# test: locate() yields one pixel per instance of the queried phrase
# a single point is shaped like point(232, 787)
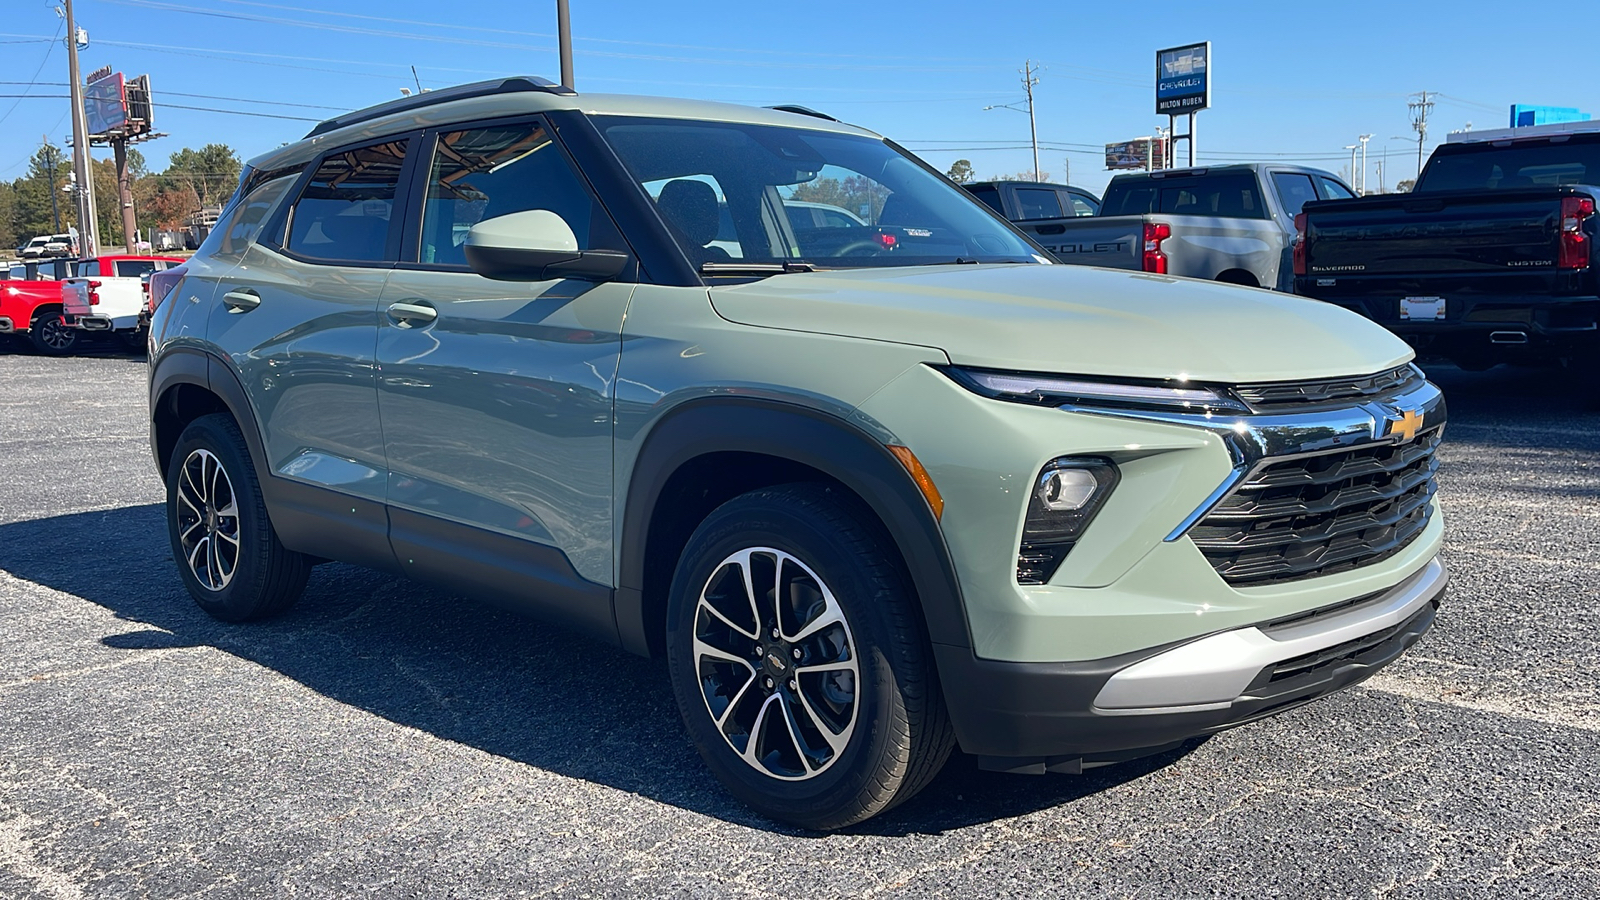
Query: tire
point(850, 657)
point(49, 336)
point(132, 341)
point(216, 515)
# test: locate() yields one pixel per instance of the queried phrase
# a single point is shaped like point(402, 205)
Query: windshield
point(1530, 164)
point(736, 194)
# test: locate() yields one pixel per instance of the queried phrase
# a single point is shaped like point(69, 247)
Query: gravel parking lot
point(388, 738)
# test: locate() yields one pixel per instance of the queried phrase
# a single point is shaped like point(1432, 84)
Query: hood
point(1075, 320)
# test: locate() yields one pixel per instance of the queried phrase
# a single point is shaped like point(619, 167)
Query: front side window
point(345, 210)
point(482, 173)
point(821, 198)
point(1333, 190)
point(1294, 190)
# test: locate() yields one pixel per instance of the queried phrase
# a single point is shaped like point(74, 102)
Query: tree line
point(35, 203)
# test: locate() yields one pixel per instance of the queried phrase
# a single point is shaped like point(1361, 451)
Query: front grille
point(1300, 394)
point(1317, 515)
point(1350, 652)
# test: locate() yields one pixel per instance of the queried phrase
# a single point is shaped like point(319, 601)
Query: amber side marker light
point(921, 477)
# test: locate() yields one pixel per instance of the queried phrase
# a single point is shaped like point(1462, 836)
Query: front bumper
point(1037, 717)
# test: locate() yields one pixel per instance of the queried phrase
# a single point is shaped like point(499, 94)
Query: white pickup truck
point(107, 294)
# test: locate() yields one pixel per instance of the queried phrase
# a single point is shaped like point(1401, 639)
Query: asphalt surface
point(387, 738)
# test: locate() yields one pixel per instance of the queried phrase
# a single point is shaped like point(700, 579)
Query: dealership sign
point(1183, 79)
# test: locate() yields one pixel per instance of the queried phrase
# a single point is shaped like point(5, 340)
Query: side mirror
point(536, 245)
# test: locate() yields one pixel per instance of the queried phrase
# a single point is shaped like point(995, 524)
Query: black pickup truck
point(1490, 259)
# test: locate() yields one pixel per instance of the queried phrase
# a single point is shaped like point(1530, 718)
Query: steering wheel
point(861, 248)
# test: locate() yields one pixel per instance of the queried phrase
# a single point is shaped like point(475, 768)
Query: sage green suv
point(876, 484)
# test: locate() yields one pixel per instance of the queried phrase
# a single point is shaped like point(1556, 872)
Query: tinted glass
point(1083, 204)
point(1294, 191)
point(133, 268)
point(240, 224)
point(990, 195)
point(89, 269)
point(907, 215)
point(1333, 190)
point(1133, 199)
point(1223, 196)
point(1038, 203)
point(345, 210)
point(482, 173)
point(1530, 164)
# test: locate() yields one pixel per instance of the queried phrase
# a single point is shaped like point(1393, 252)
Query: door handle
point(241, 301)
point(411, 314)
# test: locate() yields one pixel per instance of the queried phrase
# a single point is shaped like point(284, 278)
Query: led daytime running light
point(1047, 386)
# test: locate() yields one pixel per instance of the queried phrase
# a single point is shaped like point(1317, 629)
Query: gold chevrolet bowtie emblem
point(1406, 427)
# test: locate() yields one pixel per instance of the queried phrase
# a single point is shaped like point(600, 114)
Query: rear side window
point(1038, 203)
point(1294, 190)
point(1224, 196)
point(133, 268)
point(90, 269)
point(345, 210)
point(1082, 204)
point(482, 173)
point(241, 224)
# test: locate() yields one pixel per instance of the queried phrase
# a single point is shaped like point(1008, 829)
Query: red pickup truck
point(33, 305)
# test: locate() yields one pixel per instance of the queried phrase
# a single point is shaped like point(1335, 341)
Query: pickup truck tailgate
point(75, 297)
point(1445, 233)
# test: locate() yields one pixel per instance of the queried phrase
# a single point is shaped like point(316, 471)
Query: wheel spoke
point(845, 664)
point(230, 538)
point(733, 704)
point(194, 554)
point(800, 748)
point(749, 753)
point(728, 622)
point(701, 648)
point(836, 742)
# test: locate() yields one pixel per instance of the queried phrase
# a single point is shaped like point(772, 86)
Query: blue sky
point(1296, 82)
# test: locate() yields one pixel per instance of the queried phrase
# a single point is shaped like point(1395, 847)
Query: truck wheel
point(798, 659)
point(226, 550)
point(50, 336)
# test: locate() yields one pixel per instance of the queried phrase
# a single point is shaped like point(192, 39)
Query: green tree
point(211, 172)
point(961, 172)
point(32, 213)
point(8, 209)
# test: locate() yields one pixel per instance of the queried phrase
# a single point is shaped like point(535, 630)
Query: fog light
point(1066, 496)
point(1064, 490)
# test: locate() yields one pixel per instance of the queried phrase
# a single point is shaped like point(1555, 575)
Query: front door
point(496, 397)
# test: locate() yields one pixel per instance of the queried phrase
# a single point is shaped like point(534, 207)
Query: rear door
point(496, 396)
point(298, 319)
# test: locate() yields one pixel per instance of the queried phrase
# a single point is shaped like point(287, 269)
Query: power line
point(48, 50)
point(211, 109)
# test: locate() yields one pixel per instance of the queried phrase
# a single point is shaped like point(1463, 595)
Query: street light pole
point(1363, 139)
point(1352, 148)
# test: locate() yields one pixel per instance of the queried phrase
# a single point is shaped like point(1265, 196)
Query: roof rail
point(513, 85)
point(803, 111)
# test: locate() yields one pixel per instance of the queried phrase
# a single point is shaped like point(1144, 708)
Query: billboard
point(1139, 153)
point(140, 111)
point(1183, 79)
point(105, 104)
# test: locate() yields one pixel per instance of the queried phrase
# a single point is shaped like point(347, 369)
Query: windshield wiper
point(753, 268)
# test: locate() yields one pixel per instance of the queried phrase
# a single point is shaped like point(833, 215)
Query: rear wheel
point(50, 336)
point(227, 552)
point(798, 660)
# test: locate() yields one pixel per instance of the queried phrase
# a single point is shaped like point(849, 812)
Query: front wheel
point(226, 549)
point(798, 659)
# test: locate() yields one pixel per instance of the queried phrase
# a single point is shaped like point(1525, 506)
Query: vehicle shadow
point(475, 675)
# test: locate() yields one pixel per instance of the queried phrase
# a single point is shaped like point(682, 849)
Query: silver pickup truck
point(1219, 223)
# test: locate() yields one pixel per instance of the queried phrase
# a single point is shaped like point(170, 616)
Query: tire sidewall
point(750, 522)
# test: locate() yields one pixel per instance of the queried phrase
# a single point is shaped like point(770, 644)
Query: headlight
point(1055, 390)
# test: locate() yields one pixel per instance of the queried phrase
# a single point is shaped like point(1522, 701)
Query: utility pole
point(1419, 121)
point(564, 33)
point(1362, 190)
point(88, 226)
point(1352, 148)
point(1028, 81)
point(50, 162)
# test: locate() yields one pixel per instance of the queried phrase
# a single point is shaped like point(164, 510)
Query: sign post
point(1183, 87)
